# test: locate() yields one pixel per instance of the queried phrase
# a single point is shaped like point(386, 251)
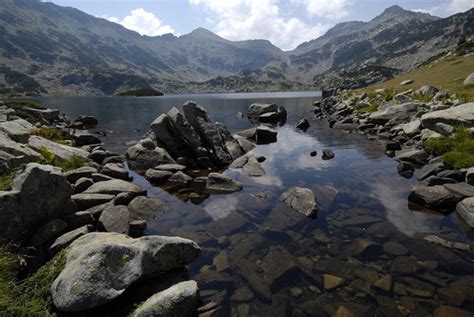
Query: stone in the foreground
point(465, 209)
point(300, 199)
point(434, 197)
point(455, 116)
point(114, 187)
point(181, 299)
point(101, 266)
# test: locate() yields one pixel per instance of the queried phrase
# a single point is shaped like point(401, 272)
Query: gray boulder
point(83, 137)
point(82, 184)
point(187, 132)
point(300, 199)
point(171, 167)
point(181, 299)
point(101, 266)
point(49, 115)
point(146, 208)
point(434, 197)
point(40, 193)
point(66, 239)
point(18, 130)
point(252, 167)
point(465, 209)
point(145, 154)
point(157, 177)
point(470, 176)
point(407, 82)
point(391, 111)
point(115, 170)
point(89, 200)
point(428, 90)
point(48, 232)
point(62, 152)
point(170, 136)
point(17, 149)
point(269, 113)
point(469, 80)
point(85, 171)
point(454, 116)
point(265, 135)
point(114, 187)
point(210, 133)
point(115, 219)
point(412, 155)
point(411, 128)
point(221, 184)
point(85, 122)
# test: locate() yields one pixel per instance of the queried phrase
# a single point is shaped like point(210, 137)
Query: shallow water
point(271, 260)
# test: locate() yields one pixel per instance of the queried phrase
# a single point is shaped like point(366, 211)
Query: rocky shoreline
point(407, 122)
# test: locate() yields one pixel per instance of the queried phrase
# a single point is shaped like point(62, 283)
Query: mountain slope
point(45, 41)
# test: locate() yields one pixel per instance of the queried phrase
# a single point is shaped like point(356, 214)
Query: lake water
point(265, 259)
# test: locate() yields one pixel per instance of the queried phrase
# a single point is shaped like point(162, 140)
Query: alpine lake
point(366, 253)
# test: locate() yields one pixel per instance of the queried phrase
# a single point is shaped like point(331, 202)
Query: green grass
point(446, 73)
point(6, 181)
point(457, 151)
point(50, 158)
point(54, 135)
point(32, 296)
point(369, 109)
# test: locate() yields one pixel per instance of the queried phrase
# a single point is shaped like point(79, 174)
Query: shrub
point(457, 151)
point(6, 181)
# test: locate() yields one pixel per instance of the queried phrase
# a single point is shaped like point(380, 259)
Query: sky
point(286, 23)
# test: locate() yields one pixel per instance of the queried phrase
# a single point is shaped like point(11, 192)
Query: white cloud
point(333, 9)
point(143, 22)
point(248, 19)
point(456, 6)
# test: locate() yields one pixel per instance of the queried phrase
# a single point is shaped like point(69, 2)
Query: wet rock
point(221, 184)
point(147, 208)
point(435, 180)
point(430, 169)
point(181, 299)
point(448, 244)
point(454, 116)
point(461, 190)
point(331, 281)
point(265, 135)
point(89, 200)
point(301, 200)
point(240, 162)
point(313, 153)
point(200, 120)
point(114, 187)
point(404, 265)
point(61, 151)
point(451, 296)
point(465, 209)
point(413, 156)
point(303, 124)
point(253, 167)
point(156, 177)
point(276, 264)
point(246, 145)
point(434, 197)
point(85, 122)
point(221, 262)
point(211, 279)
point(179, 178)
point(115, 219)
point(82, 137)
point(405, 169)
point(171, 168)
point(394, 248)
point(101, 266)
point(365, 248)
point(66, 239)
point(248, 271)
point(419, 288)
point(384, 283)
point(328, 154)
point(270, 113)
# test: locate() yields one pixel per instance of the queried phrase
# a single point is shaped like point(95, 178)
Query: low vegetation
point(50, 158)
point(6, 181)
point(446, 72)
point(457, 151)
point(32, 296)
point(54, 135)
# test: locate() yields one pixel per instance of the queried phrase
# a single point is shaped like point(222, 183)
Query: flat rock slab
point(18, 130)
point(454, 116)
point(101, 266)
point(462, 190)
point(115, 219)
point(62, 152)
point(434, 197)
point(114, 187)
point(221, 184)
point(89, 200)
point(301, 200)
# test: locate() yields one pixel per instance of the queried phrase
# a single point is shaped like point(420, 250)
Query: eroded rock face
point(454, 116)
point(101, 266)
point(300, 199)
point(40, 193)
point(146, 154)
point(181, 299)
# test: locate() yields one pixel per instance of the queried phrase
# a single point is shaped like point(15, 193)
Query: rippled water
point(270, 260)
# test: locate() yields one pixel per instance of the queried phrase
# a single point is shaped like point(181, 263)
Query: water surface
point(266, 259)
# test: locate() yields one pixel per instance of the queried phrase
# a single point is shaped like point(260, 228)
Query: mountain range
point(49, 49)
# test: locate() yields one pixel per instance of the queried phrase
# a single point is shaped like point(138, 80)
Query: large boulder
point(210, 133)
point(61, 151)
point(190, 136)
point(18, 130)
point(101, 266)
point(115, 219)
point(454, 116)
point(40, 193)
point(300, 199)
point(265, 135)
point(434, 197)
point(17, 149)
point(181, 299)
point(465, 209)
point(49, 115)
point(170, 136)
point(146, 154)
point(269, 113)
point(391, 111)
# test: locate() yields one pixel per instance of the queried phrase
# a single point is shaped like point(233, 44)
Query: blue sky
point(286, 23)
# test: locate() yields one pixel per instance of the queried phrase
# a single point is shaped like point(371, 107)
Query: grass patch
point(446, 73)
point(50, 158)
point(457, 151)
point(6, 181)
point(54, 135)
point(369, 109)
point(32, 296)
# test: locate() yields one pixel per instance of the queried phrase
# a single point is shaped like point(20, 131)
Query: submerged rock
point(181, 299)
point(221, 184)
point(252, 167)
point(101, 266)
point(300, 199)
